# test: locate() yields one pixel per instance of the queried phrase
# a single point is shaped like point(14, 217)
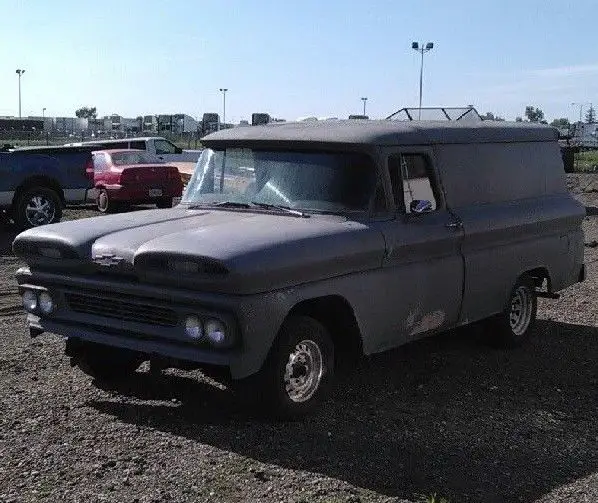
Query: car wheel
point(105, 203)
point(164, 203)
point(102, 362)
point(37, 206)
point(515, 324)
point(297, 373)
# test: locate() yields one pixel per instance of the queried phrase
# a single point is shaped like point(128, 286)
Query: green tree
point(489, 116)
point(518, 119)
point(86, 113)
point(562, 123)
point(591, 115)
point(534, 114)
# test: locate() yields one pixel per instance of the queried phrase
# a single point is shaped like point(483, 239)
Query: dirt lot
point(447, 415)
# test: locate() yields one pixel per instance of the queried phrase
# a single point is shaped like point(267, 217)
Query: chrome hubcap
point(521, 310)
point(40, 210)
point(303, 371)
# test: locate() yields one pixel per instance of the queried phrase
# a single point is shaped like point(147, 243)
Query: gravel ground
point(447, 415)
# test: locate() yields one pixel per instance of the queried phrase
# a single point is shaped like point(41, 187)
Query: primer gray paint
point(404, 276)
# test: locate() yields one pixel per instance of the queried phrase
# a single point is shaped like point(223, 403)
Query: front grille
point(121, 309)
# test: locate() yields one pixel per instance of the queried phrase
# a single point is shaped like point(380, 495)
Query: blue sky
point(297, 58)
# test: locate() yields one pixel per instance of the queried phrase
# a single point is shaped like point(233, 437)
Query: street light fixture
point(20, 72)
point(421, 49)
point(223, 91)
point(364, 100)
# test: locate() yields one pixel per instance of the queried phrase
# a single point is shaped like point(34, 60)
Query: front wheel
point(298, 371)
point(515, 324)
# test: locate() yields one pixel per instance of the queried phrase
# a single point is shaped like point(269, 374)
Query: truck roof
point(137, 138)
point(386, 132)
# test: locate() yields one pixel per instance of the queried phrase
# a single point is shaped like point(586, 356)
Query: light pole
point(44, 113)
point(364, 100)
point(223, 91)
point(423, 49)
point(580, 108)
point(19, 73)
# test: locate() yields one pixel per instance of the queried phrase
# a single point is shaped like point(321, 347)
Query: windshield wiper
point(248, 206)
point(221, 204)
point(279, 207)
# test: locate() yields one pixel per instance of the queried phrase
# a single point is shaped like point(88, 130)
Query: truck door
point(423, 261)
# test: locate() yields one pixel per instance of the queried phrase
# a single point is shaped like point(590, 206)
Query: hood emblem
point(107, 260)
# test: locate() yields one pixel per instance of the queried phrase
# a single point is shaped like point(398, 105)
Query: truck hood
point(239, 252)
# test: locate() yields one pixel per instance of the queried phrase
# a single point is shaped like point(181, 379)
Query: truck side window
point(164, 147)
point(138, 145)
point(411, 180)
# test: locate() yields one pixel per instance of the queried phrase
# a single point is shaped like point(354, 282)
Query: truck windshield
point(310, 181)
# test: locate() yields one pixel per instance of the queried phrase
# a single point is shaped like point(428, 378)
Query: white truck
point(162, 148)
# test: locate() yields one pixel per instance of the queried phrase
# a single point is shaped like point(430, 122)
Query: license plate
point(155, 192)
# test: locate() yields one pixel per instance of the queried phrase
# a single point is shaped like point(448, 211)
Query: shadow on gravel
point(446, 415)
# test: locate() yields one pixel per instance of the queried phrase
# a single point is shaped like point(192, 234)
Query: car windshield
point(132, 157)
point(316, 181)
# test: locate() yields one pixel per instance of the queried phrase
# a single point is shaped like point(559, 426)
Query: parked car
point(37, 182)
point(299, 247)
point(158, 147)
point(126, 177)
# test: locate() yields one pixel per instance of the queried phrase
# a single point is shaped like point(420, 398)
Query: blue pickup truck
point(37, 182)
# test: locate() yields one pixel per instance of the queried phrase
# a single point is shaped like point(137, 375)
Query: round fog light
point(29, 300)
point(46, 304)
point(193, 327)
point(216, 332)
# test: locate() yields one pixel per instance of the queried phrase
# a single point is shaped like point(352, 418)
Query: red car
point(126, 177)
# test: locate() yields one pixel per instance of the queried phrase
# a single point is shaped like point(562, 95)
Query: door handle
point(454, 225)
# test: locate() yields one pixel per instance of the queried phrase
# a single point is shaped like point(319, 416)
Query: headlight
point(46, 304)
point(29, 300)
point(193, 327)
point(216, 332)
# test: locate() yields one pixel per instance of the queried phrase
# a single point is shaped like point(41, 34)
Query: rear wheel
point(37, 206)
point(105, 203)
point(297, 373)
point(515, 324)
point(164, 203)
point(102, 362)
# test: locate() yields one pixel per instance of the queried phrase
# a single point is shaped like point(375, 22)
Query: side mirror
point(420, 206)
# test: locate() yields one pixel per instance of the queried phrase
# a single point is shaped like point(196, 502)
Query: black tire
point(105, 204)
point(514, 326)
point(269, 388)
point(37, 206)
point(103, 363)
point(164, 203)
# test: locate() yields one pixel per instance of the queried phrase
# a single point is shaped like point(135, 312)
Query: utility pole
point(20, 72)
point(364, 101)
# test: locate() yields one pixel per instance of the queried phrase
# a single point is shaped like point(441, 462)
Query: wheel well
point(539, 274)
point(39, 181)
point(337, 316)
